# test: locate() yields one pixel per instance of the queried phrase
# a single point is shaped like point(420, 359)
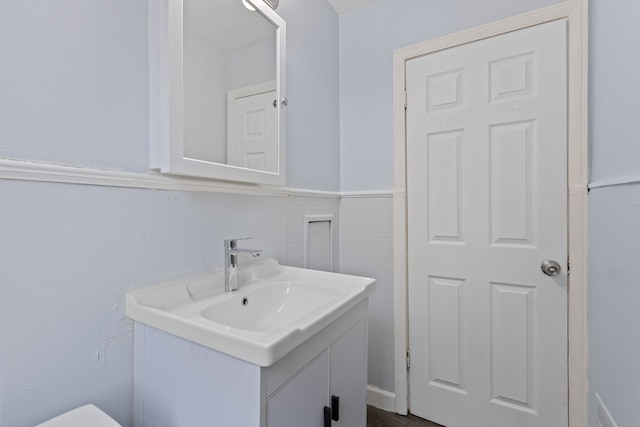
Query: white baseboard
point(381, 399)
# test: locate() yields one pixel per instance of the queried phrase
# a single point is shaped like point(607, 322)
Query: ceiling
point(228, 25)
point(343, 6)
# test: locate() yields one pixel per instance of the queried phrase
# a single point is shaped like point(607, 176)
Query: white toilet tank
point(84, 416)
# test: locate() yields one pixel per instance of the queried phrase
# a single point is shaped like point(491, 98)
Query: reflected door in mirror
point(252, 132)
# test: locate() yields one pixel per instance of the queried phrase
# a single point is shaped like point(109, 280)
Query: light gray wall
point(74, 90)
point(614, 212)
point(73, 82)
point(368, 38)
point(614, 89)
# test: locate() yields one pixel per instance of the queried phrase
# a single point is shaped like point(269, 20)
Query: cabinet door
point(301, 401)
point(349, 377)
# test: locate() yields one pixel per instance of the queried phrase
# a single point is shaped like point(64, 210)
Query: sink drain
point(244, 301)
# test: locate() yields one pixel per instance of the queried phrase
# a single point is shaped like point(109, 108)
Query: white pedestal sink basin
point(275, 310)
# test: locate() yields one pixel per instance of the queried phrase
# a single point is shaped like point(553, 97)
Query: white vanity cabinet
point(178, 383)
point(335, 379)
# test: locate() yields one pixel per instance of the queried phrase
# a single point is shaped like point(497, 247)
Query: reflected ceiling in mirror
point(229, 85)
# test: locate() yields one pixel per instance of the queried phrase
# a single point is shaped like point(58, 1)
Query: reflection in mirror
point(230, 91)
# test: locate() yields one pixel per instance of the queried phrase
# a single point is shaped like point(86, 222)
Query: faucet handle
point(231, 243)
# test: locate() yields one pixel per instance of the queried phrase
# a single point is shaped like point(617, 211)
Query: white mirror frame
point(166, 109)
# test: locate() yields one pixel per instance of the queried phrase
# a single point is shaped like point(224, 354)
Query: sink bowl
point(271, 306)
point(276, 308)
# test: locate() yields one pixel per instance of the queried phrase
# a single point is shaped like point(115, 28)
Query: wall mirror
point(217, 89)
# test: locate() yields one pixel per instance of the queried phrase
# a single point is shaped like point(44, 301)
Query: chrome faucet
point(231, 252)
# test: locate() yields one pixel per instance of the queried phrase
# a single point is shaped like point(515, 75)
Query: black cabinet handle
point(327, 416)
point(335, 408)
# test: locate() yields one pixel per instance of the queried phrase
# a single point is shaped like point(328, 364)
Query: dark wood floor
point(379, 418)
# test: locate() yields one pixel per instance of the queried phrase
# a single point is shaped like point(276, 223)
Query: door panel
point(445, 338)
point(512, 376)
point(486, 199)
point(511, 152)
point(252, 132)
point(301, 401)
point(349, 377)
point(444, 177)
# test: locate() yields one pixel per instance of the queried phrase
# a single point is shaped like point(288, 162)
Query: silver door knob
point(550, 267)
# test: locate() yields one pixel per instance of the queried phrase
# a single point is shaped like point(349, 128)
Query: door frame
point(575, 12)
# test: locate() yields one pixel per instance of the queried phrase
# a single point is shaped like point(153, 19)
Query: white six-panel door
point(486, 203)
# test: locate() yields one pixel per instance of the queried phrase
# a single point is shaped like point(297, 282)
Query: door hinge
point(405, 99)
point(408, 359)
point(568, 267)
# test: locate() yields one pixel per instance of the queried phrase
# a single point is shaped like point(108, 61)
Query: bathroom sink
point(276, 308)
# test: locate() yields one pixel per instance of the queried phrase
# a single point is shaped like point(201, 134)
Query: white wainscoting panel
point(366, 249)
